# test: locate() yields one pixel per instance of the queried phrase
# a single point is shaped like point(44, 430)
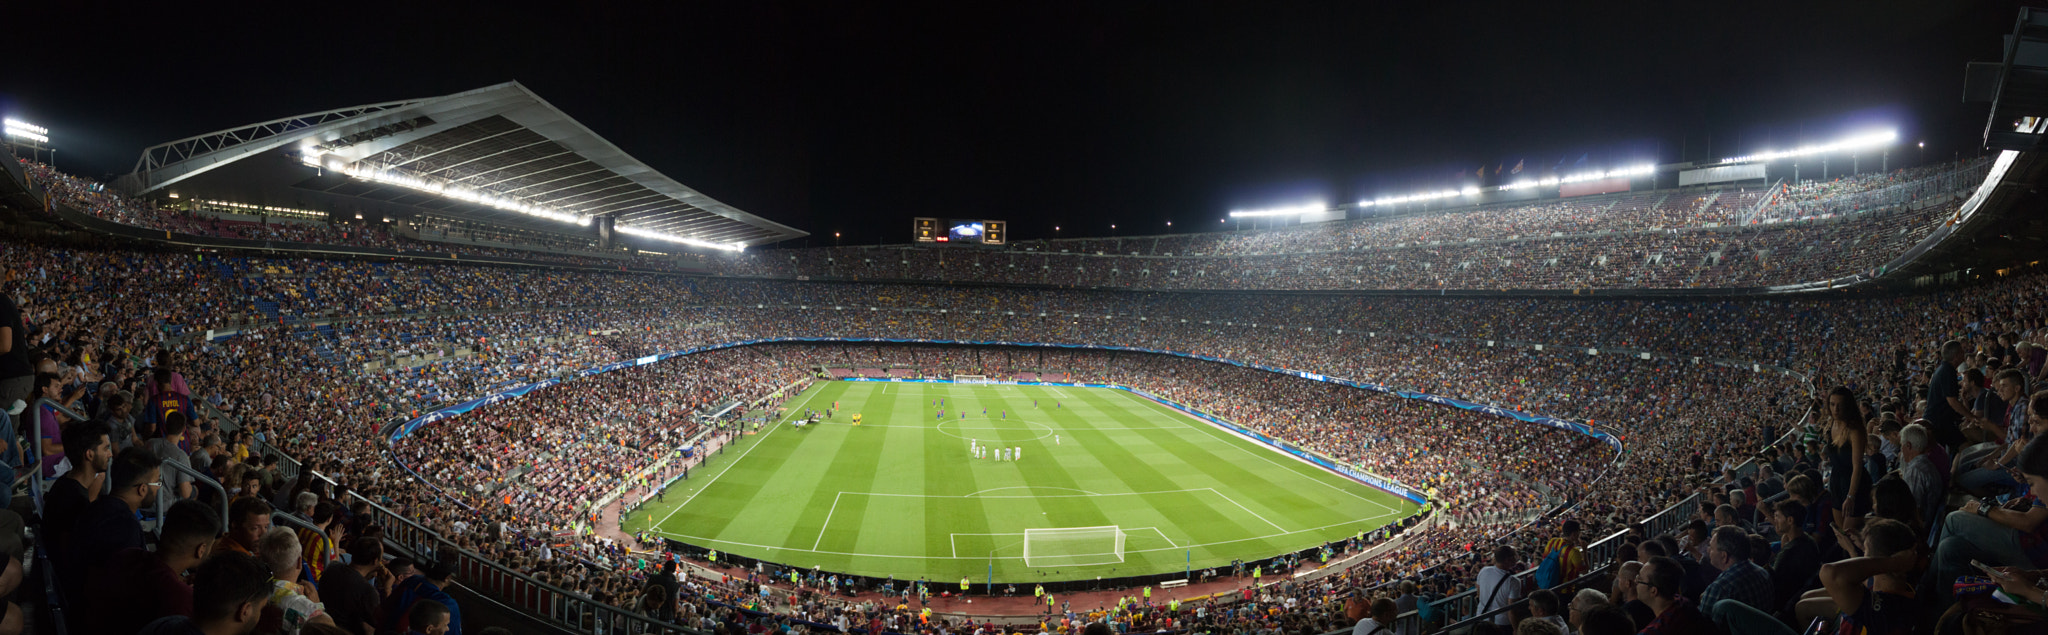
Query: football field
point(903, 493)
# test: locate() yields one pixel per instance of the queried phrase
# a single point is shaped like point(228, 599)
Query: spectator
point(1499, 586)
point(351, 600)
point(322, 536)
point(1608, 620)
point(1740, 580)
point(87, 449)
point(1380, 621)
point(1628, 590)
point(109, 525)
point(1798, 559)
point(1945, 407)
point(428, 617)
point(170, 448)
point(294, 603)
point(229, 591)
point(1917, 467)
point(1543, 607)
point(248, 521)
point(1659, 587)
point(425, 587)
point(2010, 535)
point(1992, 474)
point(1584, 603)
point(138, 586)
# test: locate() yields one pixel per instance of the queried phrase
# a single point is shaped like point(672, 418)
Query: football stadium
point(439, 355)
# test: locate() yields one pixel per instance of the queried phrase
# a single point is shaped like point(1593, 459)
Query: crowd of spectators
point(118, 335)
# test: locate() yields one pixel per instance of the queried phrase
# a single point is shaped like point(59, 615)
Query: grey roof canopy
point(490, 152)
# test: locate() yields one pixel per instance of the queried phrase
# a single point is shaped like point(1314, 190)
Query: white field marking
point(1031, 487)
point(777, 427)
point(954, 538)
point(1193, 422)
point(828, 521)
point(1087, 495)
point(1061, 393)
point(685, 537)
point(1247, 510)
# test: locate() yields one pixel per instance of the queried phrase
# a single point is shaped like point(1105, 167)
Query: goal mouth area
point(1074, 546)
point(971, 379)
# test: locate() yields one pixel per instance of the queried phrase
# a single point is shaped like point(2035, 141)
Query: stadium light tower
point(37, 138)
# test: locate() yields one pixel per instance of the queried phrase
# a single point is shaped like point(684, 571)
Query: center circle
point(1044, 430)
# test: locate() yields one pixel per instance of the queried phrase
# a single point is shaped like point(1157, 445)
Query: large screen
point(961, 231)
point(964, 231)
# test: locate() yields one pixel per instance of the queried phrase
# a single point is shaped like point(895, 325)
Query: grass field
point(900, 494)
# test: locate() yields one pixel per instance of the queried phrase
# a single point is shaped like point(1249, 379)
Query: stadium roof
point(497, 154)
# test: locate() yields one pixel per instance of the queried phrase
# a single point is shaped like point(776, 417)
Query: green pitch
point(901, 494)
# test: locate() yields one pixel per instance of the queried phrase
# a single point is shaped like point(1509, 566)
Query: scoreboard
point(961, 231)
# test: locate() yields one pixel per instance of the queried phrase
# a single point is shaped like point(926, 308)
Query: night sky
point(855, 117)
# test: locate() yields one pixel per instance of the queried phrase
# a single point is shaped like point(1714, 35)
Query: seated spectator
point(229, 591)
point(1872, 593)
point(138, 586)
point(1584, 603)
point(425, 587)
point(248, 521)
point(295, 602)
point(1607, 620)
point(1740, 579)
point(1659, 585)
point(1380, 620)
point(1798, 558)
point(428, 617)
point(1916, 466)
point(1993, 472)
point(2001, 536)
point(1543, 607)
point(1627, 592)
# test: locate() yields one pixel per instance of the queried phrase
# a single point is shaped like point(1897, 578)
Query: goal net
point(970, 379)
point(1073, 546)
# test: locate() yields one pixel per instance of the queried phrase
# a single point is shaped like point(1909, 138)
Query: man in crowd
point(248, 520)
point(1945, 407)
point(137, 586)
point(351, 599)
point(1499, 587)
point(427, 586)
point(109, 525)
point(1798, 558)
point(1658, 586)
point(167, 448)
point(87, 448)
point(429, 618)
point(1916, 466)
point(1741, 580)
point(229, 591)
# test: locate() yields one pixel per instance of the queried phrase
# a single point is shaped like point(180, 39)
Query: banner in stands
point(1587, 188)
point(1721, 174)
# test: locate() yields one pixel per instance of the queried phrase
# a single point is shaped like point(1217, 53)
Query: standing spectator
point(319, 540)
point(169, 448)
point(87, 448)
point(352, 601)
point(1658, 587)
point(138, 586)
point(1405, 603)
point(16, 374)
point(1498, 585)
point(1945, 407)
point(229, 591)
point(1848, 475)
point(109, 524)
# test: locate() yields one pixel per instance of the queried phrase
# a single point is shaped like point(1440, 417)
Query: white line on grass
point(1031, 487)
point(1197, 422)
point(736, 461)
point(686, 538)
point(828, 521)
point(1247, 510)
point(1086, 495)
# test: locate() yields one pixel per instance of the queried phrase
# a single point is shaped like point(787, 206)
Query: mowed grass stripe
point(1110, 446)
point(1246, 480)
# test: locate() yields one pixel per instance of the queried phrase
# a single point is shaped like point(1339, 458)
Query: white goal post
point(1073, 546)
point(971, 379)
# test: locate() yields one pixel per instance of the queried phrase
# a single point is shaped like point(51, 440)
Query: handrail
point(164, 496)
point(51, 595)
point(529, 595)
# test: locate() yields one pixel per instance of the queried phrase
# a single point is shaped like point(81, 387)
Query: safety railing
point(522, 592)
point(37, 484)
point(165, 497)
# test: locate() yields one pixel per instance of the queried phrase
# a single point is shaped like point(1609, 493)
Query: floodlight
point(1852, 143)
point(32, 132)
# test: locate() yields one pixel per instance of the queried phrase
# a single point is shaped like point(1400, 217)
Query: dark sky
point(855, 117)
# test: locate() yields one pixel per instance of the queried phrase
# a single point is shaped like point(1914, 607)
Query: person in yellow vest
point(856, 418)
point(1255, 574)
point(1173, 605)
point(713, 557)
point(1038, 592)
point(963, 585)
point(1048, 601)
point(1148, 595)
